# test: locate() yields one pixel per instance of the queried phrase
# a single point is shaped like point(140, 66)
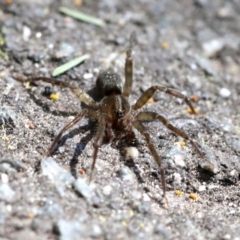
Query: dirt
point(191, 46)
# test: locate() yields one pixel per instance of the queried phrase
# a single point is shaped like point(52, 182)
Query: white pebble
point(6, 193)
point(26, 33)
point(179, 160)
point(233, 173)
point(83, 188)
point(4, 178)
point(38, 34)
point(131, 153)
point(224, 92)
point(211, 48)
point(210, 187)
point(87, 75)
point(202, 188)
point(146, 198)
point(107, 190)
point(177, 178)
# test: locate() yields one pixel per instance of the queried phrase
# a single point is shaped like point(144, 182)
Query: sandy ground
point(193, 47)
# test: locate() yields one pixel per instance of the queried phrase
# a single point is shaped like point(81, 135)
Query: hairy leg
point(149, 92)
point(129, 67)
point(68, 126)
point(97, 143)
point(147, 116)
point(78, 92)
point(140, 127)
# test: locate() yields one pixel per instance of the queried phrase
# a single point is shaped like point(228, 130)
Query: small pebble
point(6, 193)
point(26, 33)
point(224, 92)
point(234, 143)
point(69, 229)
point(83, 188)
point(87, 76)
point(107, 190)
point(202, 188)
point(146, 197)
point(131, 153)
point(210, 166)
point(225, 12)
point(211, 48)
point(212, 186)
point(126, 175)
point(233, 173)
point(177, 178)
point(38, 34)
point(177, 154)
point(206, 65)
point(4, 178)
point(6, 115)
point(56, 173)
point(96, 231)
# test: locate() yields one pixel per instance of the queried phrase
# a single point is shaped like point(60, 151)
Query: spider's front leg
point(149, 92)
point(140, 127)
point(129, 67)
point(78, 92)
point(98, 142)
point(86, 112)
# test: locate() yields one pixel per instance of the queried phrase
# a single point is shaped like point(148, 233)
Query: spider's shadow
point(80, 146)
point(46, 108)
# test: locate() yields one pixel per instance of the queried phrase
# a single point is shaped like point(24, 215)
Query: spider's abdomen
point(109, 83)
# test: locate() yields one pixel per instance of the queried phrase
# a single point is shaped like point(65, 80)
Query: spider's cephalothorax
point(114, 111)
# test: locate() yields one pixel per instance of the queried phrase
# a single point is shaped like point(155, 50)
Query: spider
point(115, 113)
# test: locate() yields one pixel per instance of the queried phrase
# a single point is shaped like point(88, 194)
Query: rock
point(6, 193)
point(55, 172)
point(212, 47)
point(6, 115)
point(131, 153)
point(210, 166)
point(224, 92)
point(83, 188)
point(177, 154)
point(234, 143)
point(126, 175)
point(206, 65)
point(69, 229)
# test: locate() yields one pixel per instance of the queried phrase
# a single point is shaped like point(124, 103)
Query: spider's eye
point(119, 113)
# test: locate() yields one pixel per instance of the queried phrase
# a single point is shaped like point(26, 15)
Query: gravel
point(191, 46)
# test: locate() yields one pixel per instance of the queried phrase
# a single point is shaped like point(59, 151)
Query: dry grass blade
point(82, 16)
point(65, 67)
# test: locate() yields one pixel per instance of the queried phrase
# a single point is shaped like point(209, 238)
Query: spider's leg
point(69, 125)
point(140, 127)
point(129, 67)
point(149, 92)
point(147, 116)
point(98, 142)
point(78, 92)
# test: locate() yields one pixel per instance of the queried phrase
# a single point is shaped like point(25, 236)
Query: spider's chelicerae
point(114, 112)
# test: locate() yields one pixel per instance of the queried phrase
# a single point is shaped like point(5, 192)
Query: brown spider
point(114, 112)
